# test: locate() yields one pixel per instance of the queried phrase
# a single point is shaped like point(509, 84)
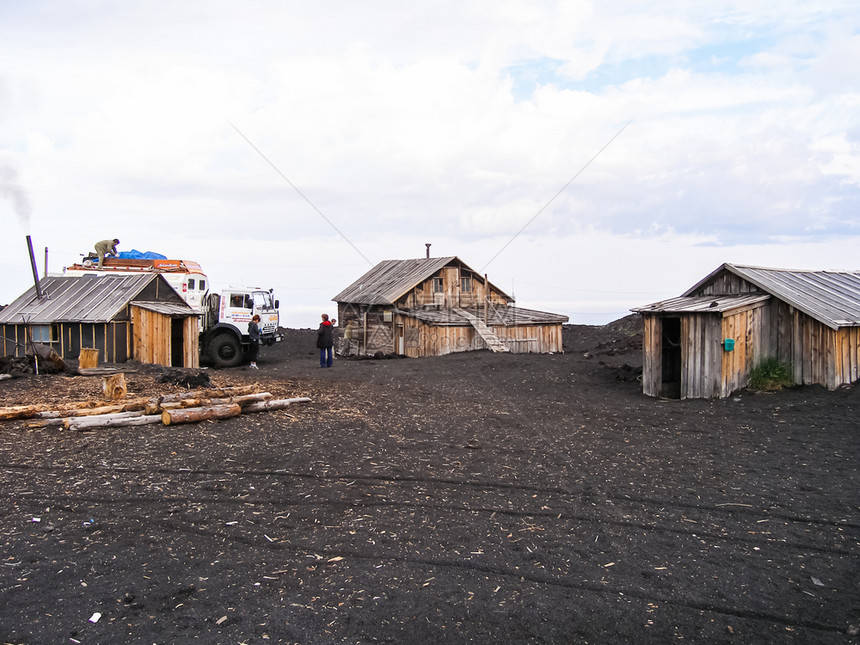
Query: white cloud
point(404, 124)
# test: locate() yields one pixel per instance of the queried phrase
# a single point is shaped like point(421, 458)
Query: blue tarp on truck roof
point(134, 254)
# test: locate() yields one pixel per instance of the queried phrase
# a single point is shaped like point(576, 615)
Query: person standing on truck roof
point(325, 341)
point(106, 247)
point(254, 333)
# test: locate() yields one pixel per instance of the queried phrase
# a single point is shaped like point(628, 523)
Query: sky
point(589, 157)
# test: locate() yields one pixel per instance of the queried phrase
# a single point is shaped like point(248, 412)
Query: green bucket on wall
point(729, 344)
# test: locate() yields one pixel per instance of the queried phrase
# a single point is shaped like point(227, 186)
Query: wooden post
point(89, 358)
point(486, 299)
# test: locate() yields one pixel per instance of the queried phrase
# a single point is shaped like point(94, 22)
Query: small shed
point(139, 317)
point(435, 306)
point(706, 342)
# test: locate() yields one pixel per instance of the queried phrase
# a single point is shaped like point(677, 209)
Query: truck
point(224, 336)
point(223, 318)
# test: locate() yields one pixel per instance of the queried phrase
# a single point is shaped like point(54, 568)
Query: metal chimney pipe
point(35, 270)
point(428, 249)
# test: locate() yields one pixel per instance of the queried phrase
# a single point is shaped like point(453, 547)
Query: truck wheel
point(225, 351)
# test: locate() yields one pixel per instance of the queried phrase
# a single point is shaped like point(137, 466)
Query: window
point(191, 284)
point(41, 333)
point(466, 283)
point(202, 285)
point(237, 300)
point(438, 287)
point(262, 300)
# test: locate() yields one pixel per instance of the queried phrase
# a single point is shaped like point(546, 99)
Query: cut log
point(242, 400)
point(210, 393)
point(113, 421)
point(89, 358)
point(132, 406)
point(20, 412)
point(277, 404)
point(113, 387)
point(100, 419)
point(48, 354)
point(98, 371)
point(46, 423)
point(192, 415)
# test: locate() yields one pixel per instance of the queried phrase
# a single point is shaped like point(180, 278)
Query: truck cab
point(224, 329)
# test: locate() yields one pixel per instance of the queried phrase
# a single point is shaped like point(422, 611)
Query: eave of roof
point(175, 309)
point(705, 304)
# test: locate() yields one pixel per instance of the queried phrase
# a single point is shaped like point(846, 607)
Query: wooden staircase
point(490, 339)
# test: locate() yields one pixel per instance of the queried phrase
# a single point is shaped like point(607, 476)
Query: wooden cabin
point(435, 306)
point(705, 343)
point(138, 317)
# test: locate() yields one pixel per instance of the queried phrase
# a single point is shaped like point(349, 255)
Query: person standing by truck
point(106, 247)
point(325, 341)
point(254, 334)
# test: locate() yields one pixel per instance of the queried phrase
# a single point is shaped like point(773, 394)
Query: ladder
point(490, 339)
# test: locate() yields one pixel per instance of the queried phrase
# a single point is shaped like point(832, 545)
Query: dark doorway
point(176, 342)
point(671, 358)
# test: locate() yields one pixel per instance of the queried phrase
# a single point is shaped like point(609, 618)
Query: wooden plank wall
point(701, 353)
point(109, 338)
point(423, 296)
point(727, 283)
point(541, 339)
point(848, 355)
point(652, 353)
point(191, 342)
point(422, 339)
point(751, 330)
point(816, 353)
point(152, 338)
point(10, 340)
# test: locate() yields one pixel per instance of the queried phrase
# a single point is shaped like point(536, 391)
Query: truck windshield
point(262, 300)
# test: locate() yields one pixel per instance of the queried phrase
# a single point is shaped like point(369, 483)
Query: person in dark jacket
point(325, 341)
point(254, 334)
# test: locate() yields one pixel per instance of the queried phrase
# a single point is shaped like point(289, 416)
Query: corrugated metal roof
point(831, 297)
point(86, 299)
point(704, 304)
point(507, 316)
point(390, 279)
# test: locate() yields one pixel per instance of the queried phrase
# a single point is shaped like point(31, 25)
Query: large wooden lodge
point(705, 343)
point(435, 306)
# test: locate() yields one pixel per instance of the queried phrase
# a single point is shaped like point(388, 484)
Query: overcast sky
point(294, 144)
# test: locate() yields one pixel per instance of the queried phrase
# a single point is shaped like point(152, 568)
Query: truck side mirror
point(277, 304)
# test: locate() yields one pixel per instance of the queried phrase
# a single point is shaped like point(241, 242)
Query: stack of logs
point(170, 409)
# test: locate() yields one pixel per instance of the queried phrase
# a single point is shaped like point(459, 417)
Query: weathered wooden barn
point(435, 306)
point(139, 317)
point(705, 343)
